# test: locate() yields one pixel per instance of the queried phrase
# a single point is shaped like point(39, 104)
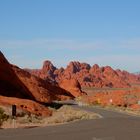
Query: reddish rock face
point(26, 105)
point(121, 98)
point(116, 98)
point(112, 78)
point(135, 107)
point(48, 70)
point(72, 86)
point(15, 82)
point(46, 73)
point(87, 76)
point(75, 67)
point(41, 90)
point(10, 85)
point(129, 77)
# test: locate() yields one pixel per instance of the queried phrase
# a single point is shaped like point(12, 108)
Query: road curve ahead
point(113, 126)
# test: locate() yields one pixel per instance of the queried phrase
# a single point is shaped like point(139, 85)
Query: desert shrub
point(97, 102)
point(21, 114)
point(30, 118)
point(3, 116)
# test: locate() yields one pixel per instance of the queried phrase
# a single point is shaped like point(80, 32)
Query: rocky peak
point(95, 69)
point(76, 66)
point(73, 67)
point(94, 76)
point(47, 65)
point(85, 66)
point(108, 70)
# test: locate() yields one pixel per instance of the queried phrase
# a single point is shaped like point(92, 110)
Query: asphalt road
point(113, 126)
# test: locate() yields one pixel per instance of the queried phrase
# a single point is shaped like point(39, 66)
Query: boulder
point(72, 86)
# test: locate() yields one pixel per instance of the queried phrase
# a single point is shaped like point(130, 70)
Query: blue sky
point(106, 32)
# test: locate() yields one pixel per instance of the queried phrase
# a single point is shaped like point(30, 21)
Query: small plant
point(3, 116)
point(21, 114)
point(97, 102)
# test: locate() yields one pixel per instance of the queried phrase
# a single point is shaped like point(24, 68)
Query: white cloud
point(51, 44)
point(70, 44)
point(114, 53)
point(126, 62)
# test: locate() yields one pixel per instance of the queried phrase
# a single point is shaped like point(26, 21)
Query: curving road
point(113, 126)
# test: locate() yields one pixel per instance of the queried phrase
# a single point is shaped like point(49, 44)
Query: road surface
point(113, 126)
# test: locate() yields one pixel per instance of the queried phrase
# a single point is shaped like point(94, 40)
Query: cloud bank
point(30, 53)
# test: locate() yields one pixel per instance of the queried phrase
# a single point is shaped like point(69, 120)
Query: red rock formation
point(116, 98)
point(15, 82)
point(41, 90)
point(26, 105)
point(10, 85)
point(46, 73)
point(135, 107)
point(86, 75)
point(121, 98)
point(112, 78)
point(72, 86)
point(129, 77)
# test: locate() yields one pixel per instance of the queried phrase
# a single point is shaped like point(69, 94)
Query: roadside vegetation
point(64, 114)
point(69, 114)
point(3, 116)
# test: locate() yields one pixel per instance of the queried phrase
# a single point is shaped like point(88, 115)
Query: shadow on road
point(58, 104)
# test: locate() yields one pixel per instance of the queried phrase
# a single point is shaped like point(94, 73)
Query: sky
point(106, 32)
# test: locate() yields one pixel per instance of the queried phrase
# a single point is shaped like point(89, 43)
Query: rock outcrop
point(120, 98)
point(41, 90)
point(86, 75)
point(129, 77)
point(26, 105)
point(73, 86)
point(46, 73)
point(10, 85)
point(27, 91)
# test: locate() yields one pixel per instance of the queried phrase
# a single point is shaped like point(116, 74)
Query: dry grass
point(63, 115)
point(68, 114)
